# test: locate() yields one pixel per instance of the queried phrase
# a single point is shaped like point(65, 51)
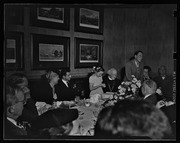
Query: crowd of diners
point(153, 116)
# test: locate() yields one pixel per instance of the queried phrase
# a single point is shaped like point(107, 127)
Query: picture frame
point(89, 20)
point(14, 49)
point(13, 14)
point(50, 16)
point(50, 51)
point(88, 53)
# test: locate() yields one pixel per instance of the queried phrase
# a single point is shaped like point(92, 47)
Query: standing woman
point(95, 81)
point(135, 67)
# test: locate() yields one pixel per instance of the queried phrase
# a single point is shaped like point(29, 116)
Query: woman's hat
point(54, 118)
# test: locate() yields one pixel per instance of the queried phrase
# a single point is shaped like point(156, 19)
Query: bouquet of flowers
point(128, 89)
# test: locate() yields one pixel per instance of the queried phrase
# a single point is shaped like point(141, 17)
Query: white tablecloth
point(84, 125)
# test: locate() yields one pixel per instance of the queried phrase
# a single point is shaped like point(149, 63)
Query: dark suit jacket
point(12, 131)
point(111, 85)
point(65, 93)
point(131, 69)
point(170, 112)
point(42, 91)
point(166, 86)
point(152, 99)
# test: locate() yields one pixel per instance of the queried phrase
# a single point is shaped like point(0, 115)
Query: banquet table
point(84, 124)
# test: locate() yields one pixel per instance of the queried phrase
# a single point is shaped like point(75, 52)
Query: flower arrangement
point(128, 89)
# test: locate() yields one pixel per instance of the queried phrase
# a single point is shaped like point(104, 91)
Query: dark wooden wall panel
point(148, 29)
point(126, 29)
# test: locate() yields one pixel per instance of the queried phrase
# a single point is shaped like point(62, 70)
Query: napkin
point(42, 107)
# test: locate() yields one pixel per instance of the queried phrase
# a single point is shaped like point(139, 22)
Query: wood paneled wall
point(150, 29)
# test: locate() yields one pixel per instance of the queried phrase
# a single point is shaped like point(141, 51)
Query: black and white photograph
point(14, 51)
point(90, 72)
point(51, 52)
point(51, 14)
point(89, 53)
point(89, 18)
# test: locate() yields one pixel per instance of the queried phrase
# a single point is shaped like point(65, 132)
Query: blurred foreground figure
point(132, 119)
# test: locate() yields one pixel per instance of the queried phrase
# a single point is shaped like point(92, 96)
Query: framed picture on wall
point(50, 16)
point(50, 51)
point(88, 53)
point(14, 51)
point(89, 20)
point(13, 14)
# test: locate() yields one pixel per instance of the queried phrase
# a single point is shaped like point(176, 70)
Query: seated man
point(45, 91)
point(132, 119)
point(65, 91)
point(148, 90)
point(146, 73)
point(165, 83)
point(15, 101)
point(111, 81)
point(29, 111)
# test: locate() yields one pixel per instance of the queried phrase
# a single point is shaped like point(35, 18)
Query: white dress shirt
point(65, 82)
point(14, 122)
point(147, 96)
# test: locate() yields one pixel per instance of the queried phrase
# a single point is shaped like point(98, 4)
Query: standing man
point(134, 67)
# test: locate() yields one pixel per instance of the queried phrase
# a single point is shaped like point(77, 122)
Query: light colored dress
point(96, 81)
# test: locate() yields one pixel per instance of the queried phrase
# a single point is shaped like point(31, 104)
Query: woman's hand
point(160, 104)
point(103, 85)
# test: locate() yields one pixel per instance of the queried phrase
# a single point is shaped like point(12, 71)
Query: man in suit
point(29, 111)
point(111, 81)
point(15, 101)
point(165, 83)
point(134, 67)
point(148, 90)
point(65, 90)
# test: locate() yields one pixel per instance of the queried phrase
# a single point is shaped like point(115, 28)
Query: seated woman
point(132, 119)
point(45, 91)
point(95, 81)
point(111, 81)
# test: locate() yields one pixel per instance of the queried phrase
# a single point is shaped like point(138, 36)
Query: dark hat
point(54, 118)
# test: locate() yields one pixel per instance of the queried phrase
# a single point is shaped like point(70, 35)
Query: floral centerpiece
point(127, 89)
